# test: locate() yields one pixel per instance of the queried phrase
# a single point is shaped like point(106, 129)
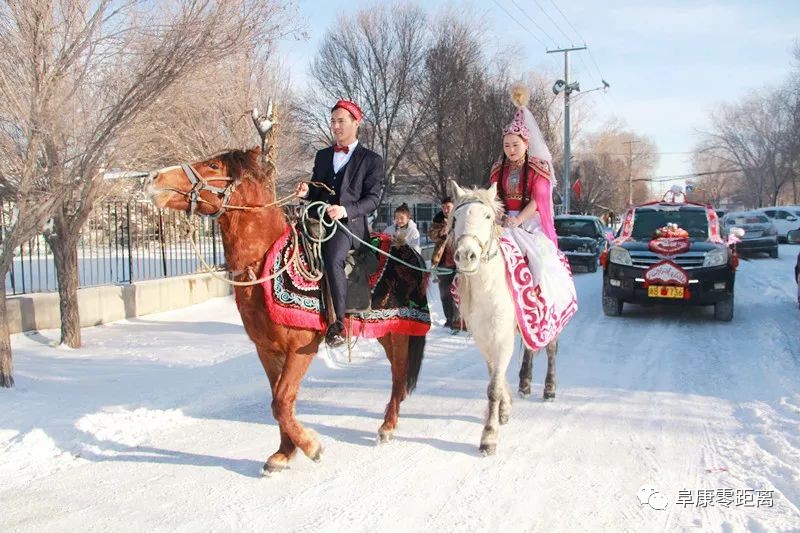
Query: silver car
point(760, 235)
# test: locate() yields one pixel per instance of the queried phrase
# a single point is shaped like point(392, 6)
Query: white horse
point(486, 302)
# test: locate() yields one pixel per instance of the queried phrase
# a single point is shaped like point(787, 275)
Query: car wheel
point(774, 253)
point(592, 267)
point(723, 310)
point(612, 306)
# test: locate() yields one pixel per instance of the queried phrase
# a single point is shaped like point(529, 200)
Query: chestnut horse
point(221, 186)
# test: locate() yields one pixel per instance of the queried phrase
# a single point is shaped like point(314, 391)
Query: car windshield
point(647, 221)
point(575, 228)
point(745, 219)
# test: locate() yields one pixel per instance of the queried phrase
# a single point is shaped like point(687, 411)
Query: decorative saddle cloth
point(399, 299)
point(539, 321)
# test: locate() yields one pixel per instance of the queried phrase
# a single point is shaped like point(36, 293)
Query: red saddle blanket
point(399, 299)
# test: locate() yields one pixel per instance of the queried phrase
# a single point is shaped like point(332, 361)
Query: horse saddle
point(358, 267)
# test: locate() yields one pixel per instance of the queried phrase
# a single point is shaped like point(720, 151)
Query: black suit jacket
point(361, 188)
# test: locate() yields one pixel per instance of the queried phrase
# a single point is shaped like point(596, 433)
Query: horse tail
point(416, 349)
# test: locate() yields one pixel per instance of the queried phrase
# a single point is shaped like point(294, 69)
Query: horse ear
point(454, 190)
point(493, 190)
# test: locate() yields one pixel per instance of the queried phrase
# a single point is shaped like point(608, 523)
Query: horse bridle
point(200, 184)
point(486, 247)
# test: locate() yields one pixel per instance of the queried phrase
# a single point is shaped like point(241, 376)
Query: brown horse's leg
point(283, 404)
point(280, 459)
point(396, 347)
point(550, 380)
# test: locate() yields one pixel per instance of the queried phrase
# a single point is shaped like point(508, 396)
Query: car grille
point(687, 260)
point(753, 234)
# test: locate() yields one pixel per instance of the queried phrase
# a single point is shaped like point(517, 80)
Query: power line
point(568, 22)
point(520, 24)
point(534, 22)
point(546, 14)
point(591, 56)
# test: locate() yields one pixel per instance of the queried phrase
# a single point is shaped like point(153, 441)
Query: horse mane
point(483, 196)
point(245, 164)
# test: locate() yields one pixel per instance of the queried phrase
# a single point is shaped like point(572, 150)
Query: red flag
point(577, 187)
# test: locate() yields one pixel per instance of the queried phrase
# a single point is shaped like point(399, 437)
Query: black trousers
point(449, 307)
point(334, 253)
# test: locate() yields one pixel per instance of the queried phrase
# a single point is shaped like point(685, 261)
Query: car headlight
point(620, 256)
point(715, 257)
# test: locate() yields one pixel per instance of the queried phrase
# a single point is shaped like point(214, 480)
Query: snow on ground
point(163, 422)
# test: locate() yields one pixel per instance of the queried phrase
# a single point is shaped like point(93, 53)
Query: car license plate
point(660, 291)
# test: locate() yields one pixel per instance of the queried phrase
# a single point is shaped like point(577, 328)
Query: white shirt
point(340, 159)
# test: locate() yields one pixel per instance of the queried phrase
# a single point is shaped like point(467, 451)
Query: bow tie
point(345, 149)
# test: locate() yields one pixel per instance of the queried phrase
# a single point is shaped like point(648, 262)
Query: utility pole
point(630, 170)
point(564, 85)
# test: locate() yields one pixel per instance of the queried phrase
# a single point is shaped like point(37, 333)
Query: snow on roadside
point(163, 422)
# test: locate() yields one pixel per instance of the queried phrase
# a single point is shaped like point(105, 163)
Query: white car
point(785, 217)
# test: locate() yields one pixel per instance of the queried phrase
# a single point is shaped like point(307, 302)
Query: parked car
point(581, 238)
point(785, 217)
point(685, 264)
point(760, 234)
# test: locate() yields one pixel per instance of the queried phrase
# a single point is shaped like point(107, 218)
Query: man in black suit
point(355, 174)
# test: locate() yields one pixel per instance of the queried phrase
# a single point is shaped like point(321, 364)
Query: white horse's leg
point(498, 355)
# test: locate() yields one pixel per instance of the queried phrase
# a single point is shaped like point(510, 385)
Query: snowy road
point(162, 423)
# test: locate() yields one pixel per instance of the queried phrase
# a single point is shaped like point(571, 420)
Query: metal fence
point(122, 242)
point(125, 242)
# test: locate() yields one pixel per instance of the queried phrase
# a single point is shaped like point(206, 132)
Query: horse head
point(229, 180)
point(473, 231)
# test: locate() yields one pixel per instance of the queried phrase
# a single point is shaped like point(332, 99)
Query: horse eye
point(215, 166)
point(488, 217)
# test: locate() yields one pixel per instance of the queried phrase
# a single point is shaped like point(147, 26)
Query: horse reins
point(200, 184)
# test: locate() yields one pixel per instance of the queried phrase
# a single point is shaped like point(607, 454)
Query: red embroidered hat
point(351, 107)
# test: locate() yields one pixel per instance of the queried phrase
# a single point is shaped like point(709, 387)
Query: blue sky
point(669, 63)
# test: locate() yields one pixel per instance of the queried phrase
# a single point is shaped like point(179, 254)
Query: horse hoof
point(317, 455)
point(524, 394)
point(272, 468)
point(385, 438)
point(504, 418)
point(488, 449)
point(549, 396)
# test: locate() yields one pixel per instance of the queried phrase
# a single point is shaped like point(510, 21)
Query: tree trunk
point(65, 256)
point(6, 366)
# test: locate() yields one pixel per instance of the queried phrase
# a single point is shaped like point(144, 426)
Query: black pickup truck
point(669, 253)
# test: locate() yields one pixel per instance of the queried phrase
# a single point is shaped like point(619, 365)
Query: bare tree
point(452, 85)
point(757, 137)
point(375, 58)
point(86, 71)
point(605, 167)
point(719, 179)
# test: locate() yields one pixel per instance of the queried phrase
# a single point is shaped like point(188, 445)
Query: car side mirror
point(793, 237)
point(791, 218)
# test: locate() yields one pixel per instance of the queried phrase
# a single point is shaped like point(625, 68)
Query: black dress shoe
point(334, 336)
